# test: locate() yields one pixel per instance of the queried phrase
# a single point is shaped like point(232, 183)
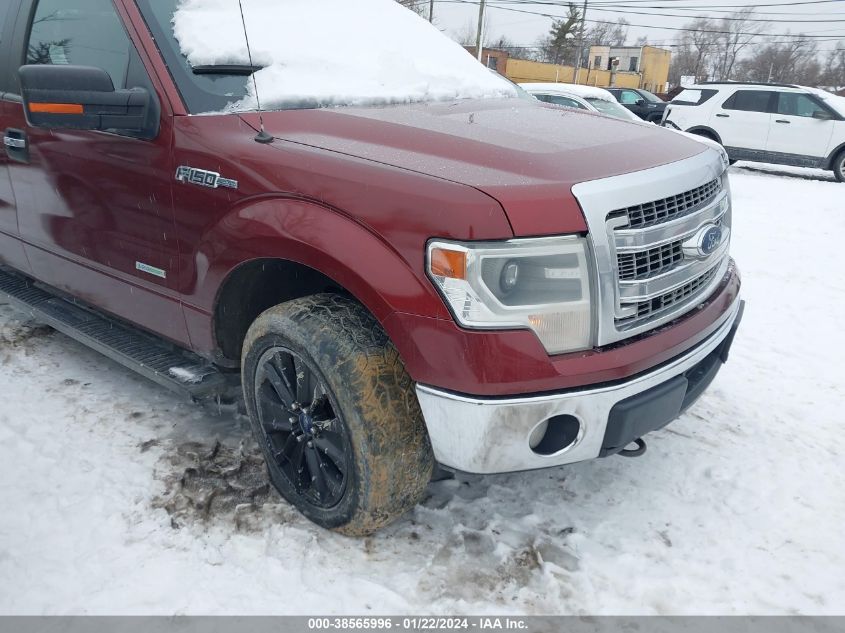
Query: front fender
point(314, 235)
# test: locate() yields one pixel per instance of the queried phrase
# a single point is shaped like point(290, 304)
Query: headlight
point(539, 284)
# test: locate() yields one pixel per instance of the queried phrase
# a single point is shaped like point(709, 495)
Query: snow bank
point(333, 52)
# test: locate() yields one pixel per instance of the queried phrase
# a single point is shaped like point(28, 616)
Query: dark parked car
point(646, 105)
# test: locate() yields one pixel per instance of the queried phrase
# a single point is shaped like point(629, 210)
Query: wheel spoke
point(332, 446)
point(275, 418)
point(277, 425)
point(303, 381)
point(282, 456)
point(317, 398)
point(293, 467)
point(279, 384)
point(318, 477)
point(333, 476)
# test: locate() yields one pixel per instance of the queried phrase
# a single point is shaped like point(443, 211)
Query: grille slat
point(651, 262)
point(668, 209)
point(652, 308)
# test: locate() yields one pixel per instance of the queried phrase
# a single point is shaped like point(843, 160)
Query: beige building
point(649, 62)
point(522, 71)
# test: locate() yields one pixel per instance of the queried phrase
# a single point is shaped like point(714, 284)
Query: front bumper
point(487, 436)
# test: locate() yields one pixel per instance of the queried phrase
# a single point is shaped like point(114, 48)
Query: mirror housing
point(83, 98)
point(640, 102)
point(822, 115)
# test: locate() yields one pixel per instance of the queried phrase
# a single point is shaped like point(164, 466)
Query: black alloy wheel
point(301, 428)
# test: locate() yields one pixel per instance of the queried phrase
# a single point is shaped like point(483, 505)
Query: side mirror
point(822, 115)
point(84, 98)
point(640, 102)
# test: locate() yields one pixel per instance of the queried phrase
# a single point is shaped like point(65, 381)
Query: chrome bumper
point(488, 436)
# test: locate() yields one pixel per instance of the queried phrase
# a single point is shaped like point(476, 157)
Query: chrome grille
point(652, 308)
point(646, 231)
point(667, 209)
point(651, 262)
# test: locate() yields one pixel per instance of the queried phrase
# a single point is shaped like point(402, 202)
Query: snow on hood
point(319, 53)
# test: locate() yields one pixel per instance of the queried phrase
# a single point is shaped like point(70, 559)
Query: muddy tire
point(351, 451)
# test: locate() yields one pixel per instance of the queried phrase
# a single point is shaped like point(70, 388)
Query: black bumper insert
point(651, 410)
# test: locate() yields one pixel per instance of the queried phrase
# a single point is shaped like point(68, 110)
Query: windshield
point(201, 92)
point(311, 54)
point(611, 108)
point(650, 97)
point(834, 101)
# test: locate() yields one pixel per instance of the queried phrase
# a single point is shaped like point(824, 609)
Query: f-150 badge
point(204, 178)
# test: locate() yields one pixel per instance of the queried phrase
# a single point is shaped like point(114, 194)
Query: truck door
point(797, 131)
point(11, 249)
point(744, 120)
point(94, 208)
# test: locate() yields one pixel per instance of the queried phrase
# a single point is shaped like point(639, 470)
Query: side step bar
point(176, 369)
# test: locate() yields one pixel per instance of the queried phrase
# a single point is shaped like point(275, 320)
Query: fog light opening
point(555, 435)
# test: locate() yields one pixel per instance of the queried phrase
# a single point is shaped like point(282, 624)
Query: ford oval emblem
point(711, 239)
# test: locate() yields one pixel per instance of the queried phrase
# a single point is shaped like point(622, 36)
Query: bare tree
point(468, 34)
point(834, 68)
point(794, 61)
point(465, 36)
point(417, 6)
point(607, 34)
point(735, 35)
point(695, 52)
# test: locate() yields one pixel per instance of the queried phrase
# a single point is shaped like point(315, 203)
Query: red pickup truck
point(489, 285)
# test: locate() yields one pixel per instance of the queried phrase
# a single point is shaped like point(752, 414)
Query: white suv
point(789, 125)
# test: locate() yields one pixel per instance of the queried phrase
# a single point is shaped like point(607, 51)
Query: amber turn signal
point(451, 264)
point(56, 108)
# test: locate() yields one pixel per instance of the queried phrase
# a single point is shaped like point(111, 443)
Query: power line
point(624, 9)
point(644, 26)
point(725, 18)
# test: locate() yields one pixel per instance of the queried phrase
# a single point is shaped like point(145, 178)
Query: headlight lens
point(539, 284)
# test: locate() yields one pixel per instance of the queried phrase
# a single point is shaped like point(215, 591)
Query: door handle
point(724, 116)
point(782, 121)
point(17, 147)
point(14, 143)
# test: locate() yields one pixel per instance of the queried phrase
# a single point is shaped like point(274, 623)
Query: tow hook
point(637, 452)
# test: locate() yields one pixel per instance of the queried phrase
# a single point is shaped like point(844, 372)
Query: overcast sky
point(524, 29)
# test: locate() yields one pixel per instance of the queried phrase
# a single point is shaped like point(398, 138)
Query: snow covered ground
point(736, 508)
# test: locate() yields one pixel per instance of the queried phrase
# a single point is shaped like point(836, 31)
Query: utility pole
point(479, 41)
point(581, 41)
point(431, 11)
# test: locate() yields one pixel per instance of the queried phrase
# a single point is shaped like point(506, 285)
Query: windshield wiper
point(237, 70)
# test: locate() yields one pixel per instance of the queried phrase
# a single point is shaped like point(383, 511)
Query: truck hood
point(526, 155)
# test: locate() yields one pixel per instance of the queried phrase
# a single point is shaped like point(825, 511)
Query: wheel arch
point(704, 130)
point(828, 164)
point(297, 248)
